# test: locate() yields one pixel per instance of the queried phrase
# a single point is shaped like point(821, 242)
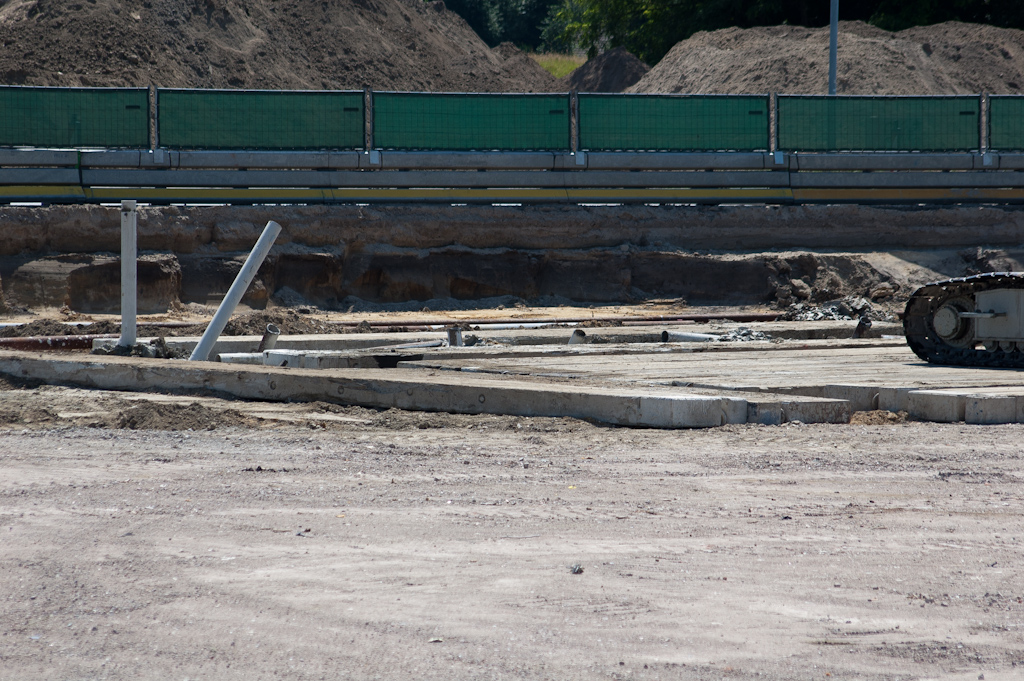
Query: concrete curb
point(398, 388)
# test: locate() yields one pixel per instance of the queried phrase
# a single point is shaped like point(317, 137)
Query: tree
point(497, 21)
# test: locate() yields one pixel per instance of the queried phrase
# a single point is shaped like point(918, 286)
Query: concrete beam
point(984, 406)
point(450, 392)
point(936, 405)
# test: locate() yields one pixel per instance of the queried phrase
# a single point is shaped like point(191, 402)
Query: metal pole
point(235, 293)
point(129, 273)
point(833, 38)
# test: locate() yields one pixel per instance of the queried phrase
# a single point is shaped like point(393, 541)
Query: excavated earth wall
point(67, 255)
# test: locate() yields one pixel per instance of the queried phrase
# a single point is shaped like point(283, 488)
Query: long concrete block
point(895, 398)
point(860, 397)
point(992, 409)
point(766, 413)
point(816, 411)
point(936, 405)
point(451, 392)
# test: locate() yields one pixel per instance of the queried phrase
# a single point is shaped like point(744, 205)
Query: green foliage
point(497, 21)
point(558, 65)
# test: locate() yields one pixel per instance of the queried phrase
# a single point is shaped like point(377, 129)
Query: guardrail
point(202, 146)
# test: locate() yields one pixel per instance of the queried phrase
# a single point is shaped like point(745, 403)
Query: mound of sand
point(948, 58)
point(278, 44)
point(611, 71)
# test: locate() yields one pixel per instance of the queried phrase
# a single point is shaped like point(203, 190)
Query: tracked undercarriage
point(970, 321)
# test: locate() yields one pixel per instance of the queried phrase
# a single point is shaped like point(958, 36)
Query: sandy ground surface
point(317, 541)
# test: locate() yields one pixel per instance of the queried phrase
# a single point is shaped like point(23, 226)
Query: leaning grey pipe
point(235, 293)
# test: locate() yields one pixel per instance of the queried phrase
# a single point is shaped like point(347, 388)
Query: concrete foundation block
point(692, 412)
point(992, 409)
point(894, 398)
point(404, 389)
point(860, 397)
point(817, 411)
point(936, 405)
point(765, 413)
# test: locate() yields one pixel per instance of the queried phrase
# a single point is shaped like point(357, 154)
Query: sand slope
point(948, 58)
point(291, 44)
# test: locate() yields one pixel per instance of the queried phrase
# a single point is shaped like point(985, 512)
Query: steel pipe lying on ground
point(83, 342)
point(682, 337)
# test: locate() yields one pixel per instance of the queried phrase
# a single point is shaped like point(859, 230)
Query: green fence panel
point(463, 122)
point(264, 119)
point(74, 117)
point(673, 122)
point(822, 123)
point(1006, 123)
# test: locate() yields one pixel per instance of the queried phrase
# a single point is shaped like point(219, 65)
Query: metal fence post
point(773, 122)
point(983, 118)
point(574, 121)
point(129, 273)
point(367, 119)
point(154, 114)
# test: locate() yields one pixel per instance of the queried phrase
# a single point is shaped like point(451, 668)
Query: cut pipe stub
point(269, 338)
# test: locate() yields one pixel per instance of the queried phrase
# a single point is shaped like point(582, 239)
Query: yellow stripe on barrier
point(189, 195)
point(726, 195)
point(42, 191)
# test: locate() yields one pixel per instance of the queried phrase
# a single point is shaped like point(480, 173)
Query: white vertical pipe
point(235, 293)
point(833, 39)
point(129, 273)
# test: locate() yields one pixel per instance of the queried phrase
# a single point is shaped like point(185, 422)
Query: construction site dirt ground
point(192, 536)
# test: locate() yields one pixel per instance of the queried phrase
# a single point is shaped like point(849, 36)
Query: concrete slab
point(936, 405)
point(415, 390)
point(805, 368)
point(991, 409)
point(979, 406)
point(651, 384)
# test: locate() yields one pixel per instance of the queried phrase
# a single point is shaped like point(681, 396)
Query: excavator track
point(929, 346)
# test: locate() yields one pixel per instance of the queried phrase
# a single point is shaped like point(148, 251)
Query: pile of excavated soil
point(611, 71)
point(948, 58)
point(43, 327)
point(149, 416)
point(244, 324)
point(278, 44)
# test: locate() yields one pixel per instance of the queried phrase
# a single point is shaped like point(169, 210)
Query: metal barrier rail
point(345, 147)
point(506, 177)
